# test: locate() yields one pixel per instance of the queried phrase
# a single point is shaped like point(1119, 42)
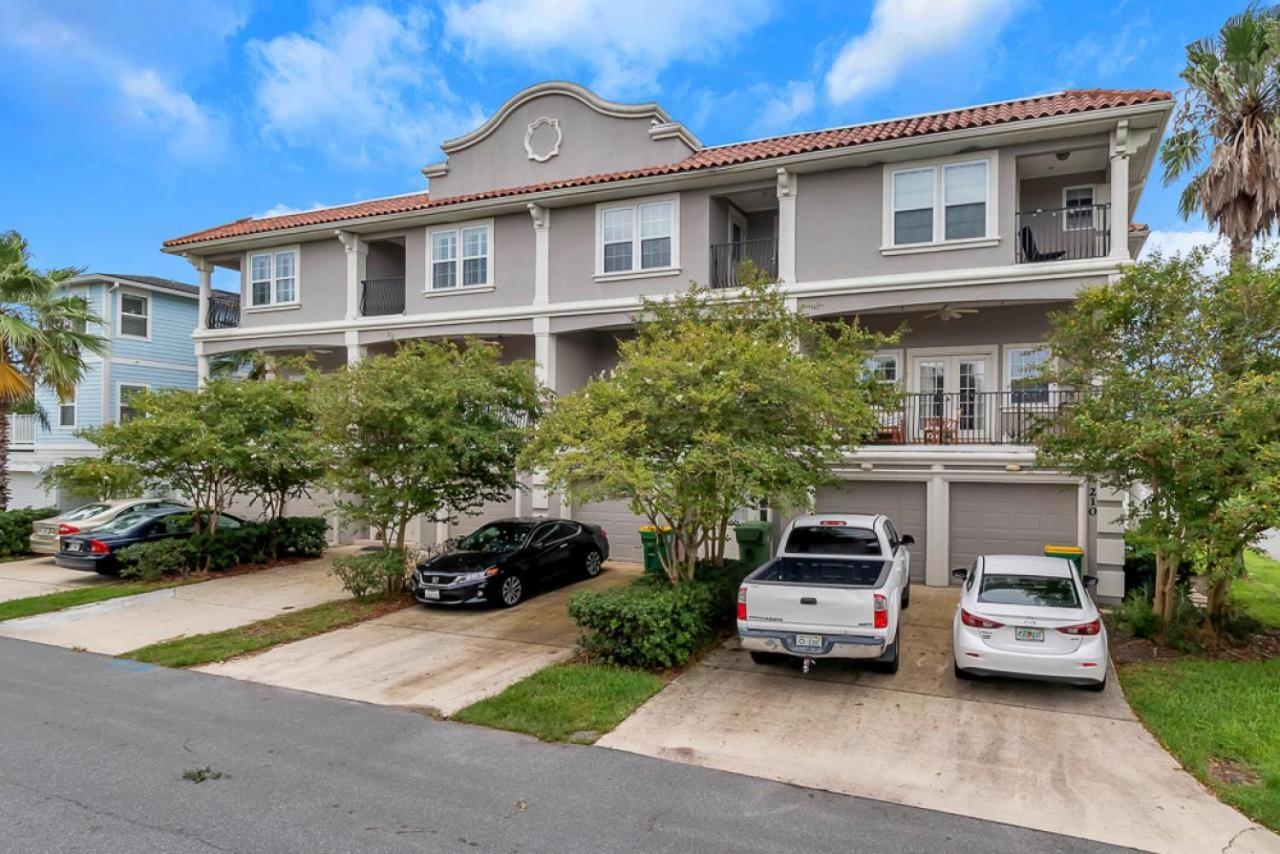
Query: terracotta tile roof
point(1040, 106)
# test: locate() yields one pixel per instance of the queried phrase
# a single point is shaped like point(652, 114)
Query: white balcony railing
point(22, 432)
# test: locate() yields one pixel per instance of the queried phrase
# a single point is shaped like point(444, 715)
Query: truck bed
point(867, 573)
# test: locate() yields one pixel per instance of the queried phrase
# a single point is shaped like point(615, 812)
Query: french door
point(951, 403)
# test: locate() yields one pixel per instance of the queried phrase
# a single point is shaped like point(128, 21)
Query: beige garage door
point(482, 514)
point(902, 502)
point(622, 526)
point(1010, 518)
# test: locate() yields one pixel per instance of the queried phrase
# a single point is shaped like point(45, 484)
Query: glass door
point(952, 404)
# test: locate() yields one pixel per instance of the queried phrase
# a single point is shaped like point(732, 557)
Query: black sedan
point(503, 560)
point(95, 551)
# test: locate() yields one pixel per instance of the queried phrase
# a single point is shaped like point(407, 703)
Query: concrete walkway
point(1047, 757)
point(37, 576)
point(436, 659)
point(120, 625)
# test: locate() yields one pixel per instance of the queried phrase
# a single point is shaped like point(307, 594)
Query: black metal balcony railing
point(972, 417)
point(1064, 234)
point(727, 258)
point(222, 314)
point(381, 296)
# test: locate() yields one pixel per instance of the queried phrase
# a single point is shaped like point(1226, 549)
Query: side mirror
point(1090, 582)
point(959, 574)
point(908, 540)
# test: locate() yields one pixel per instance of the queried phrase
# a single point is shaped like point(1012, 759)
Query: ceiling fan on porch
point(947, 312)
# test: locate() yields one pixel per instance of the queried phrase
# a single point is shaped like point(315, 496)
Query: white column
point(357, 258)
point(544, 352)
point(202, 366)
point(205, 269)
point(1121, 148)
point(355, 351)
point(787, 226)
point(938, 512)
point(541, 254)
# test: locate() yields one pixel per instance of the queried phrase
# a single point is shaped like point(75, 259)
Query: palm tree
point(43, 337)
point(255, 365)
point(1229, 113)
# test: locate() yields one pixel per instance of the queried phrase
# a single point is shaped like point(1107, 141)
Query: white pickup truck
point(834, 590)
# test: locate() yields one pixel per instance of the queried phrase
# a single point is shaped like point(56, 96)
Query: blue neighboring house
point(148, 322)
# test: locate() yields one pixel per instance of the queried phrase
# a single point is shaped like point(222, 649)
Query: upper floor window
point(135, 316)
point(273, 278)
point(124, 401)
point(939, 203)
point(67, 410)
point(634, 238)
point(1078, 212)
point(884, 367)
point(461, 257)
point(1026, 385)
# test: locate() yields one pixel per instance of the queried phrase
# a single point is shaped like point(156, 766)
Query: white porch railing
point(22, 432)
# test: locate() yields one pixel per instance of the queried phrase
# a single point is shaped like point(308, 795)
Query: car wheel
point(888, 663)
point(768, 658)
point(961, 674)
point(1096, 686)
point(510, 591)
point(906, 596)
point(593, 564)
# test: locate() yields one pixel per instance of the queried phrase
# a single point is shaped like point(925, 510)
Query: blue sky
point(125, 123)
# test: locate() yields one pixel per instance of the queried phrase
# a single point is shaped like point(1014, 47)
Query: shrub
point(1134, 615)
point(369, 572)
point(153, 561)
point(1140, 565)
point(15, 529)
point(1135, 618)
point(304, 536)
point(654, 624)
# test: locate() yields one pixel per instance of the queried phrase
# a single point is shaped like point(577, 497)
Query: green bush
point(1135, 618)
point(654, 624)
point(15, 529)
point(303, 536)
point(152, 561)
point(259, 542)
point(1134, 615)
point(371, 572)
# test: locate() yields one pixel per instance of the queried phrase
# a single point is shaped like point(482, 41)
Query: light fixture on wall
point(1062, 156)
point(866, 466)
point(1013, 467)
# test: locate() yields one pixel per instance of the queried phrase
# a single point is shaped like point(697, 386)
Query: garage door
point(483, 514)
point(902, 502)
point(622, 526)
point(1010, 518)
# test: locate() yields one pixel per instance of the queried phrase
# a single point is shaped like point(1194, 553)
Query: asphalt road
point(93, 751)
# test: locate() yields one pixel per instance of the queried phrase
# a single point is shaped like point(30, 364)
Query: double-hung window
point(1078, 212)
point(884, 367)
point(124, 403)
point(67, 410)
point(939, 203)
point(913, 206)
point(273, 278)
point(135, 315)
point(461, 257)
point(1026, 385)
point(637, 237)
point(964, 200)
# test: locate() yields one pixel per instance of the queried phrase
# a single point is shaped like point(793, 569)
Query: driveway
point(37, 576)
point(1048, 757)
point(435, 659)
point(120, 625)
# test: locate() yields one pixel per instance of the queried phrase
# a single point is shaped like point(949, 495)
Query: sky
point(127, 122)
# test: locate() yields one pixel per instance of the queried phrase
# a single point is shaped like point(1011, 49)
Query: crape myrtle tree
point(95, 478)
point(432, 429)
point(720, 401)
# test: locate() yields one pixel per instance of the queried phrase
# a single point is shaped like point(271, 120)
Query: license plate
point(430, 594)
point(809, 640)
point(1025, 634)
point(75, 547)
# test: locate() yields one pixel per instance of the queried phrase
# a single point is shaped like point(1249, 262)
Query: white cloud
point(360, 85)
point(625, 45)
point(283, 209)
point(903, 32)
point(1169, 243)
point(781, 109)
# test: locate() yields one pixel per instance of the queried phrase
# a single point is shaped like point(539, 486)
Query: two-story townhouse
point(147, 322)
point(545, 226)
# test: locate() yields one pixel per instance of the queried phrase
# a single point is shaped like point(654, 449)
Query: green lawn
point(295, 625)
point(1207, 711)
point(32, 605)
point(563, 699)
point(1258, 593)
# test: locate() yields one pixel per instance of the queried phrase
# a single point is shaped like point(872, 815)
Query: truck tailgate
point(820, 595)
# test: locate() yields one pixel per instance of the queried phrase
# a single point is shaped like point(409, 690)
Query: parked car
point(1031, 617)
point(834, 590)
point(502, 561)
point(46, 534)
point(96, 550)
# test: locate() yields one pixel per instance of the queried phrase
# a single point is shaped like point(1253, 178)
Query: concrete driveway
point(121, 625)
point(37, 576)
point(436, 659)
point(1048, 757)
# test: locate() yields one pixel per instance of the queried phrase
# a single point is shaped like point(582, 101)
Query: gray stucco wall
point(512, 255)
point(322, 288)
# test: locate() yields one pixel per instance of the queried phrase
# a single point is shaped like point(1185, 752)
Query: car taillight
point(978, 622)
point(1082, 628)
point(98, 547)
point(881, 612)
point(65, 529)
point(742, 603)
point(604, 533)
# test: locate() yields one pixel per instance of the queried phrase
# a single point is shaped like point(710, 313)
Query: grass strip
point(1218, 718)
point(1258, 593)
point(196, 650)
point(44, 604)
point(566, 702)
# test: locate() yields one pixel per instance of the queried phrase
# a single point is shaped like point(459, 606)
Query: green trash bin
point(1075, 554)
point(655, 542)
point(755, 542)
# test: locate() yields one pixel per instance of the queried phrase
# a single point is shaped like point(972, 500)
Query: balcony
point(222, 313)
point(972, 417)
point(727, 258)
point(381, 296)
point(22, 432)
point(1064, 234)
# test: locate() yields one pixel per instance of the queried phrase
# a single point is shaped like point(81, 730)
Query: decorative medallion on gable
point(542, 139)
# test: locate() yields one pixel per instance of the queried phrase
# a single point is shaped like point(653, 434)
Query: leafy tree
point(256, 365)
point(94, 477)
point(1229, 116)
point(720, 401)
point(432, 429)
point(43, 336)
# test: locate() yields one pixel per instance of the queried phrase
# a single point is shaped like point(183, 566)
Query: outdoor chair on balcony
point(890, 429)
point(1029, 251)
point(941, 431)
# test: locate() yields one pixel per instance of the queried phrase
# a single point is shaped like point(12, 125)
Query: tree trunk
point(1157, 593)
point(1241, 248)
point(1173, 560)
point(1217, 606)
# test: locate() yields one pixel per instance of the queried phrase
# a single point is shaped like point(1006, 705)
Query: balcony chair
point(1029, 250)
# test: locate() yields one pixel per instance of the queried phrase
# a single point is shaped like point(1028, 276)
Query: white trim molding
point(543, 121)
point(247, 280)
point(120, 386)
point(148, 314)
point(459, 258)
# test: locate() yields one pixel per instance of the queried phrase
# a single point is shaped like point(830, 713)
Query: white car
point(834, 590)
point(1031, 617)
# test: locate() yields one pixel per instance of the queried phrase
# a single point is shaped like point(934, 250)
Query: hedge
point(251, 543)
point(15, 529)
